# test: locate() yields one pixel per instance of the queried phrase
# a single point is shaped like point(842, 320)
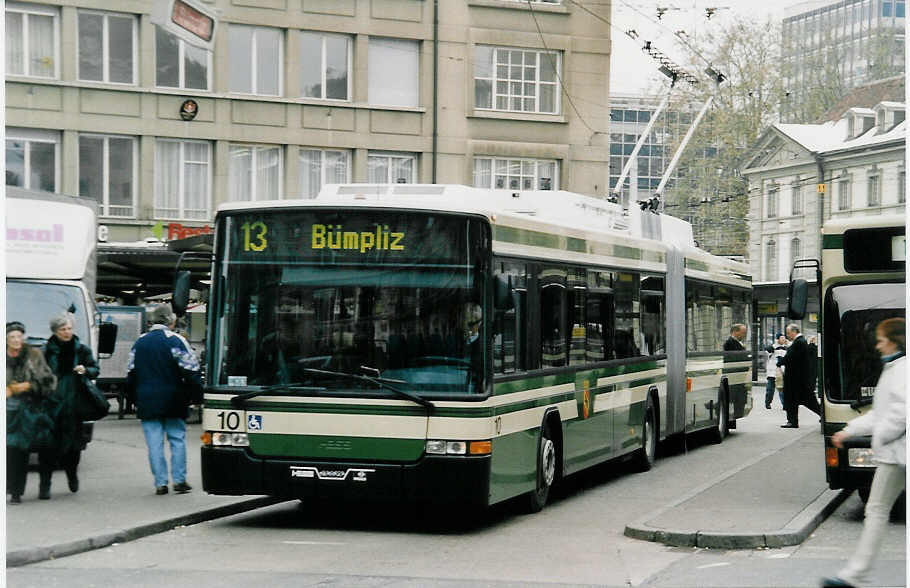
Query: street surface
point(576, 541)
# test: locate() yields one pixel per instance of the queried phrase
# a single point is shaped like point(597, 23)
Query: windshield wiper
point(383, 383)
point(240, 399)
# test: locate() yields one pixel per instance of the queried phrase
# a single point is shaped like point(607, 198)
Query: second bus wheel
point(719, 432)
point(546, 470)
point(644, 456)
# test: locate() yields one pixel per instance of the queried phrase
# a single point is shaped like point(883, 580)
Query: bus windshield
point(382, 293)
point(34, 304)
point(852, 365)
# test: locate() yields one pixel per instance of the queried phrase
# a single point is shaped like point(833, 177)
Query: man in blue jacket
point(162, 368)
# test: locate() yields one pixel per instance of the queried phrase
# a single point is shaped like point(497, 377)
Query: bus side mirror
point(502, 292)
point(107, 337)
point(797, 298)
point(181, 297)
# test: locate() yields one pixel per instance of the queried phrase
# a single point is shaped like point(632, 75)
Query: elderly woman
point(71, 362)
point(29, 386)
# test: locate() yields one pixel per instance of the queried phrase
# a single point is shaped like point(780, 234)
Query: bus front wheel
point(546, 470)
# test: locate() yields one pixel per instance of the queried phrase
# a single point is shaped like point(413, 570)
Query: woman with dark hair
point(29, 387)
point(71, 362)
point(887, 423)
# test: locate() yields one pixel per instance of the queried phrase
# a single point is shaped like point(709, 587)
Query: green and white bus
point(862, 283)
point(440, 343)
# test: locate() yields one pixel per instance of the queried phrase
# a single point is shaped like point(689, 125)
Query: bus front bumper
point(462, 480)
point(842, 474)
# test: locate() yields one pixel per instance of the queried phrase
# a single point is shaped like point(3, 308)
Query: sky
point(633, 71)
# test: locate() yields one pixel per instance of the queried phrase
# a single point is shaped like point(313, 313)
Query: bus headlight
point(442, 447)
point(860, 457)
point(224, 439)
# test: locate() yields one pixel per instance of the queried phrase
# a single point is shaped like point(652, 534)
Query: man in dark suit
point(737, 336)
point(797, 372)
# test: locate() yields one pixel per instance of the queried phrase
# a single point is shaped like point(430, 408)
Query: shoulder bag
point(92, 405)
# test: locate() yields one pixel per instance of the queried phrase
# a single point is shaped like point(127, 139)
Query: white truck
point(51, 266)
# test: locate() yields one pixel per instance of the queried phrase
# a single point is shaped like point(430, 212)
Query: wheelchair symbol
point(254, 422)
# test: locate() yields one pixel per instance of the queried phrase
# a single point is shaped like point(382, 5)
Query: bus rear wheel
point(546, 470)
point(644, 456)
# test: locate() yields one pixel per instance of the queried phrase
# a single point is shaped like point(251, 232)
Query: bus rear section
point(863, 284)
point(347, 356)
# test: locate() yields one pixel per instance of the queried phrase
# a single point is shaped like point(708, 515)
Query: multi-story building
point(837, 45)
point(102, 103)
point(802, 175)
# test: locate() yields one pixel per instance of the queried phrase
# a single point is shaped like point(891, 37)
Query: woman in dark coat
point(71, 362)
point(30, 384)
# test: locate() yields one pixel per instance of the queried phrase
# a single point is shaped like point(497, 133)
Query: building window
point(772, 201)
point(325, 63)
point(107, 47)
point(179, 64)
point(254, 173)
point(32, 38)
point(901, 187)
point(393, 72)
point(107, 172)
point(796, 199)
point(886, 8)
point(899, 9)
point(255, 60)
point(391, 168)
point(31, 159)
point(182, 179)
point(873, 190)
point(795, 250)
point(771, 261)
point(516, 80)
point(516, 174)
point(844, 193)
point(319, 167)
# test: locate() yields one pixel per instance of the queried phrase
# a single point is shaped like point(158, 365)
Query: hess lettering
point(335, 237)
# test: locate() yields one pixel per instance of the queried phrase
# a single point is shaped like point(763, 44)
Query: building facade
point(839, 45)
point(102, 103)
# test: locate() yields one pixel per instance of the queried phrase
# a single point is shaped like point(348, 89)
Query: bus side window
point(652, 314)
point(554, 350)
point(510, 324)
point(601, 312)
point(627, 336)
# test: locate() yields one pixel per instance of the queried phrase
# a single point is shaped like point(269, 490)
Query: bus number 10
point(229, 420)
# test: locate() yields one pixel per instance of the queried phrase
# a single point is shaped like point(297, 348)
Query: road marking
point(714, 565)
point(312, 543)
point(779, 556)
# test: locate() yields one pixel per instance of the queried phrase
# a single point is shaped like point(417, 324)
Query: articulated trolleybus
point(862, 283)
point(438, 343)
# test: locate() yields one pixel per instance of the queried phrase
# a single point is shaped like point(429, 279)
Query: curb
point(794, 533)
point(32, 555)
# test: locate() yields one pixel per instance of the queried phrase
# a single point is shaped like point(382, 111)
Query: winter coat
point(30, 415)
point(887, 421)
point(62, 358)
point(771, 365)
point(162, 372)
point(796, 375)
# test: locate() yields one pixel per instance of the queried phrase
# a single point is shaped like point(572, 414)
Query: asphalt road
point(576, 541)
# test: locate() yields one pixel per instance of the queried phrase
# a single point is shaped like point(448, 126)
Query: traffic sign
point(189, 20)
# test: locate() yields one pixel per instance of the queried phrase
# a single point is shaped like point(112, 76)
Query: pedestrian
point(772, 371)
point(796, 378)
point(887, 423)
point(71, 362)
point(813, 364)
point(735, 341)
point(161, 367)
point(30, 412)
point(781, 350)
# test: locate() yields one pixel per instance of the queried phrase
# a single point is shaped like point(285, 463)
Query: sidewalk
point(780, 498)
point(114, 472)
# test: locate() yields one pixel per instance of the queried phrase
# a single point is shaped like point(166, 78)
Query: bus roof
point(559, 207)
point(840, 226)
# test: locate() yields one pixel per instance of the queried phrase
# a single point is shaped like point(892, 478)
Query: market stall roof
point(147, 268)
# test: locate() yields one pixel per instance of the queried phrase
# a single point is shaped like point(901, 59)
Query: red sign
point(178, 231)
point(192, 20)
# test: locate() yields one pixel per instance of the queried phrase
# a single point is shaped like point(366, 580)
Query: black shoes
point(160, 490)
point(835, 582)
point(182, 488)
point(789, 426)
point(768, 405)
point(73, 481)
point(44, 494)
point(15, 499)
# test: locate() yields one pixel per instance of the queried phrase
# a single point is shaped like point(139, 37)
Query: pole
point(617, 189)
point(672, 165)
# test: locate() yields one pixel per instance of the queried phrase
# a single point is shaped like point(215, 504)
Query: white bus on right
point(862, 282)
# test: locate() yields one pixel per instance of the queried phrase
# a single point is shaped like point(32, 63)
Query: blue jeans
point(769, 391)
point(175, 430)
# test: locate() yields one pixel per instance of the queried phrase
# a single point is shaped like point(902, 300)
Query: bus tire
point(720, 430)
point(546, 470)
point(644, 455)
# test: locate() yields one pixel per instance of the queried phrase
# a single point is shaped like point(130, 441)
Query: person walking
point(71, 362)
point(161, 364)
point(887, 423)
point(796, 378)
point(30, 415)
point(777, 349)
